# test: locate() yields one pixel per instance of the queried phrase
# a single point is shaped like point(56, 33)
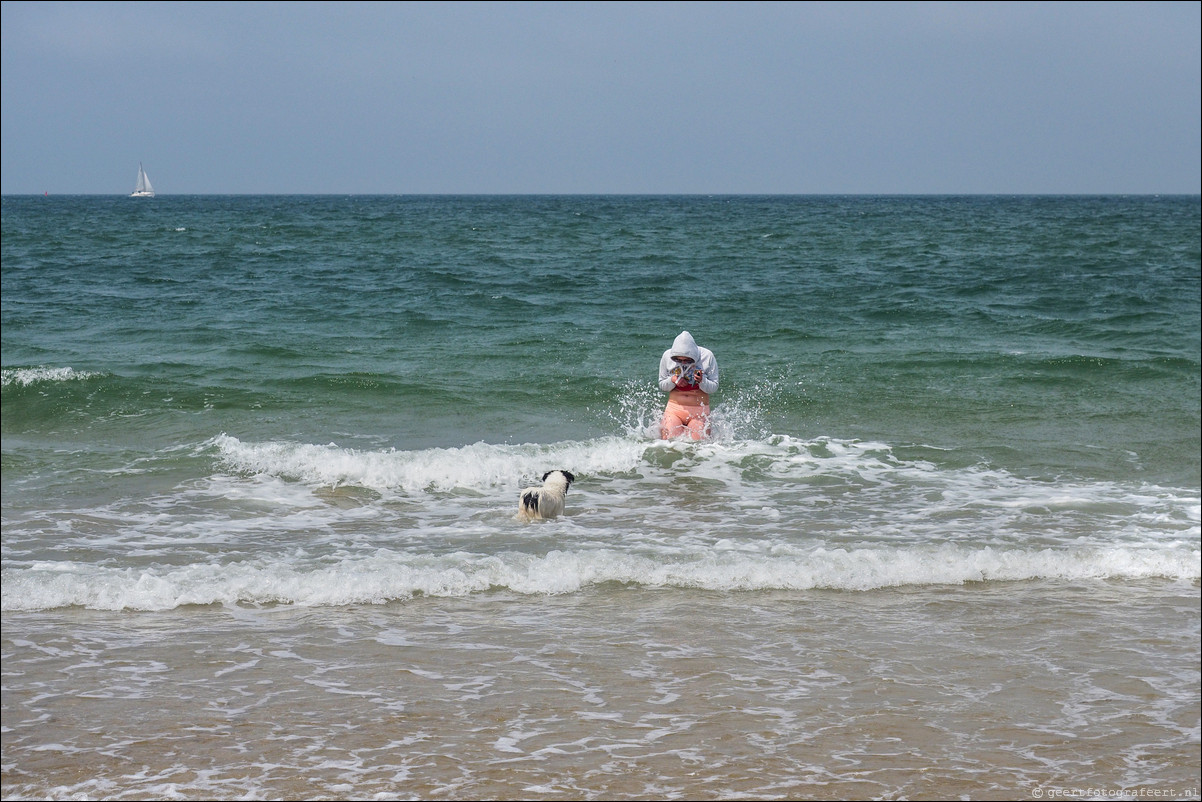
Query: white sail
point(143, 188)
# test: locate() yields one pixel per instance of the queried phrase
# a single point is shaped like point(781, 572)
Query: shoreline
point(991, 691)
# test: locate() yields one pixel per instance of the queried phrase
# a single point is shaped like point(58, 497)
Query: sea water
point(261, 459)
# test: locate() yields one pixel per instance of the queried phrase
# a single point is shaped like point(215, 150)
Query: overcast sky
point(613, 97)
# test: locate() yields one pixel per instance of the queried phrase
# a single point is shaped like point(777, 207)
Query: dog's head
point(568, 477)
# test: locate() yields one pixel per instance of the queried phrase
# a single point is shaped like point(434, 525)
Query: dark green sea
point(261, 459)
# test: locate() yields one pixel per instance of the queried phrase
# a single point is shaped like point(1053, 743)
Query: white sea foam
point(473, 467)
point(852, 486)
point(296, 523)
point(24, 377)
point(387, 576)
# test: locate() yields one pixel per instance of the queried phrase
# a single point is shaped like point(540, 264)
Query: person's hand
point(689, 375)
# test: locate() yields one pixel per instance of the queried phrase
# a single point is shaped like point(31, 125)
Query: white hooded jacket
point(685, 345)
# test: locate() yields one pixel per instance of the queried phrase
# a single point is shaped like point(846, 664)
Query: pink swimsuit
point(687, 412)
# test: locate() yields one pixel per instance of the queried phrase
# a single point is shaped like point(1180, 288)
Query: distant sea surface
point(261, 459)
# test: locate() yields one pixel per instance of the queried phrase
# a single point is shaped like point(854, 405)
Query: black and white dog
point(539, 503)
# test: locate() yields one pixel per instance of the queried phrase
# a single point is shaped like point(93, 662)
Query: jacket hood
point(685, 345)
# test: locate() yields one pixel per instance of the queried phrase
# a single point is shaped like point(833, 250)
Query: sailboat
point(143, 189)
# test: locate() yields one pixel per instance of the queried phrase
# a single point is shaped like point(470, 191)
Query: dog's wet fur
point(546, 501)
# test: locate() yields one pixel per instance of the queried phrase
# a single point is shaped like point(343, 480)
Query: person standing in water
point(688, 373)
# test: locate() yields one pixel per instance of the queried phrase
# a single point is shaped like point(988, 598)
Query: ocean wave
point(479, 466)
point(24, 377)
point(779, 489)
point(860, 473)
point(775, 513)
point(486, 465)
point(389, 576)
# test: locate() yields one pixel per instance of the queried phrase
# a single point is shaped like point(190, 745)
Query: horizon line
point(611, 194)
